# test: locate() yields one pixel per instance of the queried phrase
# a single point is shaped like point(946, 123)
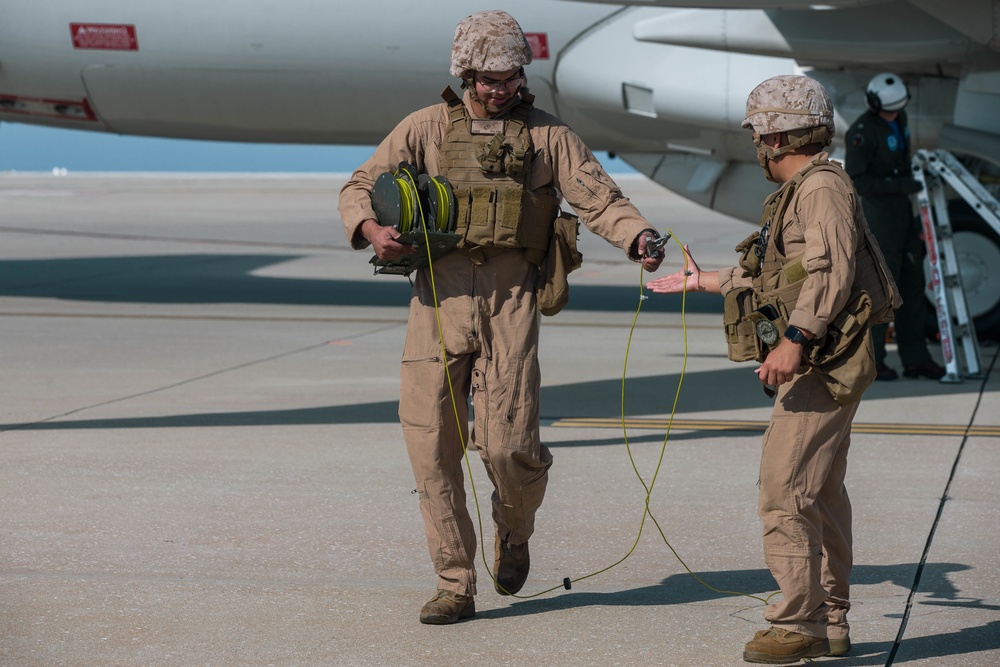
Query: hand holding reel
point(422, 209)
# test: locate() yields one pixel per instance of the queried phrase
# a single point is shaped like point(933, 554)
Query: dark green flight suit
point(879, 164)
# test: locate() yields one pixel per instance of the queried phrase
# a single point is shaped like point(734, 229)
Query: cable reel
point(422, 209)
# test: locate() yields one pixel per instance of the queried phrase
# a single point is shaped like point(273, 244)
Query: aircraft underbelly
point(236, 105)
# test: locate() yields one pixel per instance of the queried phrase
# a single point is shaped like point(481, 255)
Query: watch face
point(767, 332)
point(796, 336)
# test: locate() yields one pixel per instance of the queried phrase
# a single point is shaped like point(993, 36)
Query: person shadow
point(682, 588)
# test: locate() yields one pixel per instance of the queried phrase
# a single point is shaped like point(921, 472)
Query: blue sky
point(33, 148)
point(42, 149)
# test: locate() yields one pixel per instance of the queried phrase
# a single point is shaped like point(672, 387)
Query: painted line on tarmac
point(760, 426)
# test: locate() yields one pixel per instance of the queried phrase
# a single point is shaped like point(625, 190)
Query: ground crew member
point(878, 161)
point(509, 164)
point(803, 276)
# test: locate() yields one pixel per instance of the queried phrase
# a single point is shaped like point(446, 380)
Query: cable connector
point(655, 245)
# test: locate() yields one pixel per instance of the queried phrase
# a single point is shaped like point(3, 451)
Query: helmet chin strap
point(765, 154)
point(492, 109)
point(509, 104)
point(799, 138)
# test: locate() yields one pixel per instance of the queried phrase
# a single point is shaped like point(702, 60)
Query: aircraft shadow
point(715, 390)
point(216, 278)
point(208, 278)
point(684, 589)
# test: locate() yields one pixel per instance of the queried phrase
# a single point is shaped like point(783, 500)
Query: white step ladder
point(935, 169)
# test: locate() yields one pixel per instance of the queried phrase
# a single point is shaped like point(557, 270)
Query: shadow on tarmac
point(682, 588)
point(223, 278)
point(715, 390)
point(207, 278)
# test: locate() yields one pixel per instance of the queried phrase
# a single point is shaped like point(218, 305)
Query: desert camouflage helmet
point(489, 41)
point(789, 102)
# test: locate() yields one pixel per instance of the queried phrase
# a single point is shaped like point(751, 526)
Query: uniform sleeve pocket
point(817, 256)
point(589, 189)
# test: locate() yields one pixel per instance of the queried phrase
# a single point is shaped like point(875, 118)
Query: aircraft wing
point(976, 20)
point(660, 83)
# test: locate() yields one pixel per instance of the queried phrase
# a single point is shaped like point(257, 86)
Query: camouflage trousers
point(805, 509)
point(489, 324)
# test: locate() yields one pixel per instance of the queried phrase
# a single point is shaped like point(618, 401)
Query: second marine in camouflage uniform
point(815, 261)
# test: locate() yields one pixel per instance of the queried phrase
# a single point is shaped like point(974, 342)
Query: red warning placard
point(539, 43)
point(107, 36)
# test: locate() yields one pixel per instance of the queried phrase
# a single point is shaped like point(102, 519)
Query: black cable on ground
point(937, 520)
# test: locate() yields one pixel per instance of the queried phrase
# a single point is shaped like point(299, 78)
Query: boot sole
point(508, 589)
point(441, 619)
point(815, 651)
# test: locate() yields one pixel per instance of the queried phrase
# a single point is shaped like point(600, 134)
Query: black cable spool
point(406, 201)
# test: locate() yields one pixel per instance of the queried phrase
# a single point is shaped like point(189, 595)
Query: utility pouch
point(754, 323)
point(876, 278)
point(562, 258)
point(844, 358)
point(749, 260)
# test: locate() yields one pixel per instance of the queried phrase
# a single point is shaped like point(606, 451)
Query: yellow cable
point(666, 437)
point(648, 488)
point(407, 198)
point(443, 206)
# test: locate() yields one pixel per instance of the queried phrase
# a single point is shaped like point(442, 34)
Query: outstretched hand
point(687, 279)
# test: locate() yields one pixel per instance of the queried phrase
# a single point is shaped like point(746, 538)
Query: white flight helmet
point(886, 92)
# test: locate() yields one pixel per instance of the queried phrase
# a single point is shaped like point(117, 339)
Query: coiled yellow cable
point(443, 206)
point(408, 201)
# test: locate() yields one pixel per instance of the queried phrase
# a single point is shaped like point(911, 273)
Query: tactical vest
point(487, 162)
point(755, 317)
point(782, 276)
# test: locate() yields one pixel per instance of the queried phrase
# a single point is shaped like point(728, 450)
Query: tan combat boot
point(778, 646)
point(510, 566)
point(447, 607)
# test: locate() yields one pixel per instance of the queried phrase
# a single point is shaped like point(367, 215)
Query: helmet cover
point(788, 102)
point(490, 41)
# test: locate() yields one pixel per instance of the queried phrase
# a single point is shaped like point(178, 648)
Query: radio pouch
point(753, 323)
point(562, 258)
point(844, 358)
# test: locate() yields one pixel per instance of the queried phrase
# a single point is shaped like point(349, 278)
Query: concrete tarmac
point(202, 463)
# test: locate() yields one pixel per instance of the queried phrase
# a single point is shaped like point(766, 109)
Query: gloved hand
point(909, 186)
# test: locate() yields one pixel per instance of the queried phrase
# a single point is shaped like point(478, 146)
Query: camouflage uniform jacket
point(561, 160)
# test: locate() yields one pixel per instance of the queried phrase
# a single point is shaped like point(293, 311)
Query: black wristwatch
point(795, 335)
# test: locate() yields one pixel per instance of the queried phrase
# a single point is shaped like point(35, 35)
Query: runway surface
point(203, 464)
